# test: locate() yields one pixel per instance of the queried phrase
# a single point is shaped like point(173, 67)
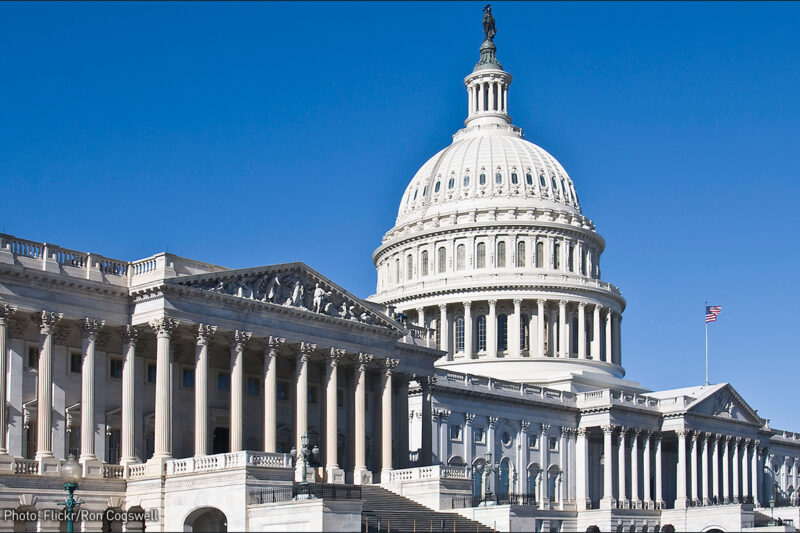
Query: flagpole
point(706, 321)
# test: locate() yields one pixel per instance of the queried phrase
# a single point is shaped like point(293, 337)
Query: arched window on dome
point(480, 331)
point(482, 179)
point(480, 255)
point(437, 186)
point(415, 193)
point(424, 261)
point(466, 180)
point(498, 178)
point(555, 185)
point(556, 255)
point(501, 254)
point(542, 181)
point(514, 179)
point(502, 333)
point(529, 178)
point(397, 270)
point(521, 254)
point(451, 183)
point(460, 334)
point(424, 191)
point(409, 267)
point(442, 260)
point(539, 254)
point(524, 325)
point(460, 256)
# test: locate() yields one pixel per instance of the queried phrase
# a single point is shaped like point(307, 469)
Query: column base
point(583, 504)
point(334, 474)
point(706, 502)
point(681, 503)
point(386, 475)
point(608, 503)
point(6, 463)
point(156, 466)
point(362, 476)
point(636, 503)
point(92, 468)
point(49, 466)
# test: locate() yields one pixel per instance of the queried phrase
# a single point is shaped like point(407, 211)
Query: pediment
point(726, 403)
point(290, 285)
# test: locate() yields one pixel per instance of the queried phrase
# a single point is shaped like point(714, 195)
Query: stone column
point(202, 339)
point(491, 330)
point(444, 331)
point(468, 437)
point(47, 322)
point(694, 460)
point(756, 475)
point(735, 494)
point(608, 358)
point(540, 318)
point(162, 448)
point(238, 340)
point(130, 337)
point(635, 501)
point(544, 461)
point(468, 350)
point(271, 393)
point(531, 332)
point(491, 97)
point(421, 317)
point(90, 328)
point(333, 473)
point(596, 333)
point(581, 330)
point(680, 498)
point(563, 459)
point(706, 486)
point(746, 493)
point(582, 471)
point(301, 391)
point(608, 501)
point(515, 326)
point(726, 485)
point(648, 495)
point(386, 416)
point(621, 460)
point(715, 470)
point(563, 342)
point(360, 473)
point(659, 487)
point(6, 312)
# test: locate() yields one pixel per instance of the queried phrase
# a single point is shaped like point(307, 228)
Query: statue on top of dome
point(488, 22)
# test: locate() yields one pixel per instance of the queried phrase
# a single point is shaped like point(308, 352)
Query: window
point(556, 254)
point(478, 435)
point(151, 372)
point(409, 267)
point(482, 179)
point(505, 438)
point(520, 254)
point(424, 269)
point(33, 357)
point(312, 395)
point(539, 254)
point(460, 252)
point(514, 179)
point(188, 378)
point(533, 441)
point(498, 178)
point(415, 193)
point(542, 181)
point(75, 362)
point(442, 259)
point(466, 180)
point(460, 334)
point(437, 186)
point(451, 183)
point(282, 390)
point(529, 179)
point(397, 270)
point(501, 254)
point(524, 325)
point(253, 386)
point(115, 368)
point(502, 333)
point(455, 432)
point(223, 381)
point(424, 191)
point(113, 439)
point(553, 444)
point(481, 332)
point(480, 256)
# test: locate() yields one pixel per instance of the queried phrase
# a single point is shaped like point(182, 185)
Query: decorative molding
point(388, 365)
point(90, 328)
point(239, 339)
point(305, 351)
point(335, 356)
point(164, 326)
point(47, 321)
point(130, 335)
point(204, 334)
point(6, 314)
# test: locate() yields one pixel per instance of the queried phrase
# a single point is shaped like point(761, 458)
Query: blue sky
point(245, 134)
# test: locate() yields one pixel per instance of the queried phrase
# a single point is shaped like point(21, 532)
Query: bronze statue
point(488, 22)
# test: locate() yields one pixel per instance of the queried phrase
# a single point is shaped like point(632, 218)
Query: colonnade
point(487, 96)
point(549, 329)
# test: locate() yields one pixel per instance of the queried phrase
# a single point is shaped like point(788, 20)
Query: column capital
point(608, 429)
point(272, 344)
point(204, 334)
point(239, 339)
point(420, 310)
point(622, 431)
point(541, 301)
point(442, 414)
point(492, 304)
point(6, 313)
point(545, 428)
point(47, 321)
point(130, 335)
point(727, 438)
point(467, 306)
point(305, 351)
point(581, 305)
point(388, 365)
point(469, 417)
point(524, 425)
point(90, 328)
point(697, 436)
point(737, 440)
point(335, 356)
point(682, 433)
point(562, 304)
point(164, 326)
point(517, 302)
point(582, 432)
point(362, 360)
point(493, 421)
point(443, 308)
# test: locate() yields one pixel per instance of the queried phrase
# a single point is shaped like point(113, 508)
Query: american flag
point(711, 312)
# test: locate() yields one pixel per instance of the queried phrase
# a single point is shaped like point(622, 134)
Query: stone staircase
point(386, 511)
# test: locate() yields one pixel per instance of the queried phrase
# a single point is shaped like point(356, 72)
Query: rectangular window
point(75, 362)
point(33, 357)
point(479, 434)
point(455, 432)
point(553, 444)
point(312, 395)
point(556, 256)
point(113, 438)
point(188, 378)
point(533, 441)
point(151, 372)
point(253, 386)
point(224, 381)
point(115, 368)
point(282, 391)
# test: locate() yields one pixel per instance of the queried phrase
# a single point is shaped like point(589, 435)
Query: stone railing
point(429, 472)
point(113, 472)
point(525, 390)
point(137, 471)
point(26, 466)
point(610, 396)
point(419, 336)
point(224, 461)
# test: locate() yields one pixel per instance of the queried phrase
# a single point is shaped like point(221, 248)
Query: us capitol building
point(480, 388)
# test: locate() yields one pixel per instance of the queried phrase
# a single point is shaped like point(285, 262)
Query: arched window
point(539, 254)
point(460, 257)
point(415, 193)
point(529, 179)
point(482, 179)
point(460, 334)
point(424, 269)
point(521, 254)
point(409, 267)
point(502, 333)
point(504, 478)
point(556, 255)
point(480, 255)
point(480, 329)
point(424, 191)
point(437, 186)
point(451, 183)
point(523, 332)
point(514, 179)
point(498, 178)
point(501, 254)
point(442, 260)
point(570, 258)
point(466, 180)
point(542, 181)
point(397, 270)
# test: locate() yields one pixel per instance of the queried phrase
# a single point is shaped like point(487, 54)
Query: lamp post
point(488, 469)
point(772, 521)
point(304, 455)
point(70, 475)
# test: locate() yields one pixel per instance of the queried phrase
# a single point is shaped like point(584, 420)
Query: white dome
point(450, 181)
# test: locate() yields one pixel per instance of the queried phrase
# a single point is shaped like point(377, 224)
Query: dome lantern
point(487, 85)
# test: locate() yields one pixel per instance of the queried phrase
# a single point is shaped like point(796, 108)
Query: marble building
point(490, 357)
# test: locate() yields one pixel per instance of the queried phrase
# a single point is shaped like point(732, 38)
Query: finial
point(488, 23)
point(488, 58)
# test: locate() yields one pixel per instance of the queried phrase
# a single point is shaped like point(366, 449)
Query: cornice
point(40, 279)
point(481, 395)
